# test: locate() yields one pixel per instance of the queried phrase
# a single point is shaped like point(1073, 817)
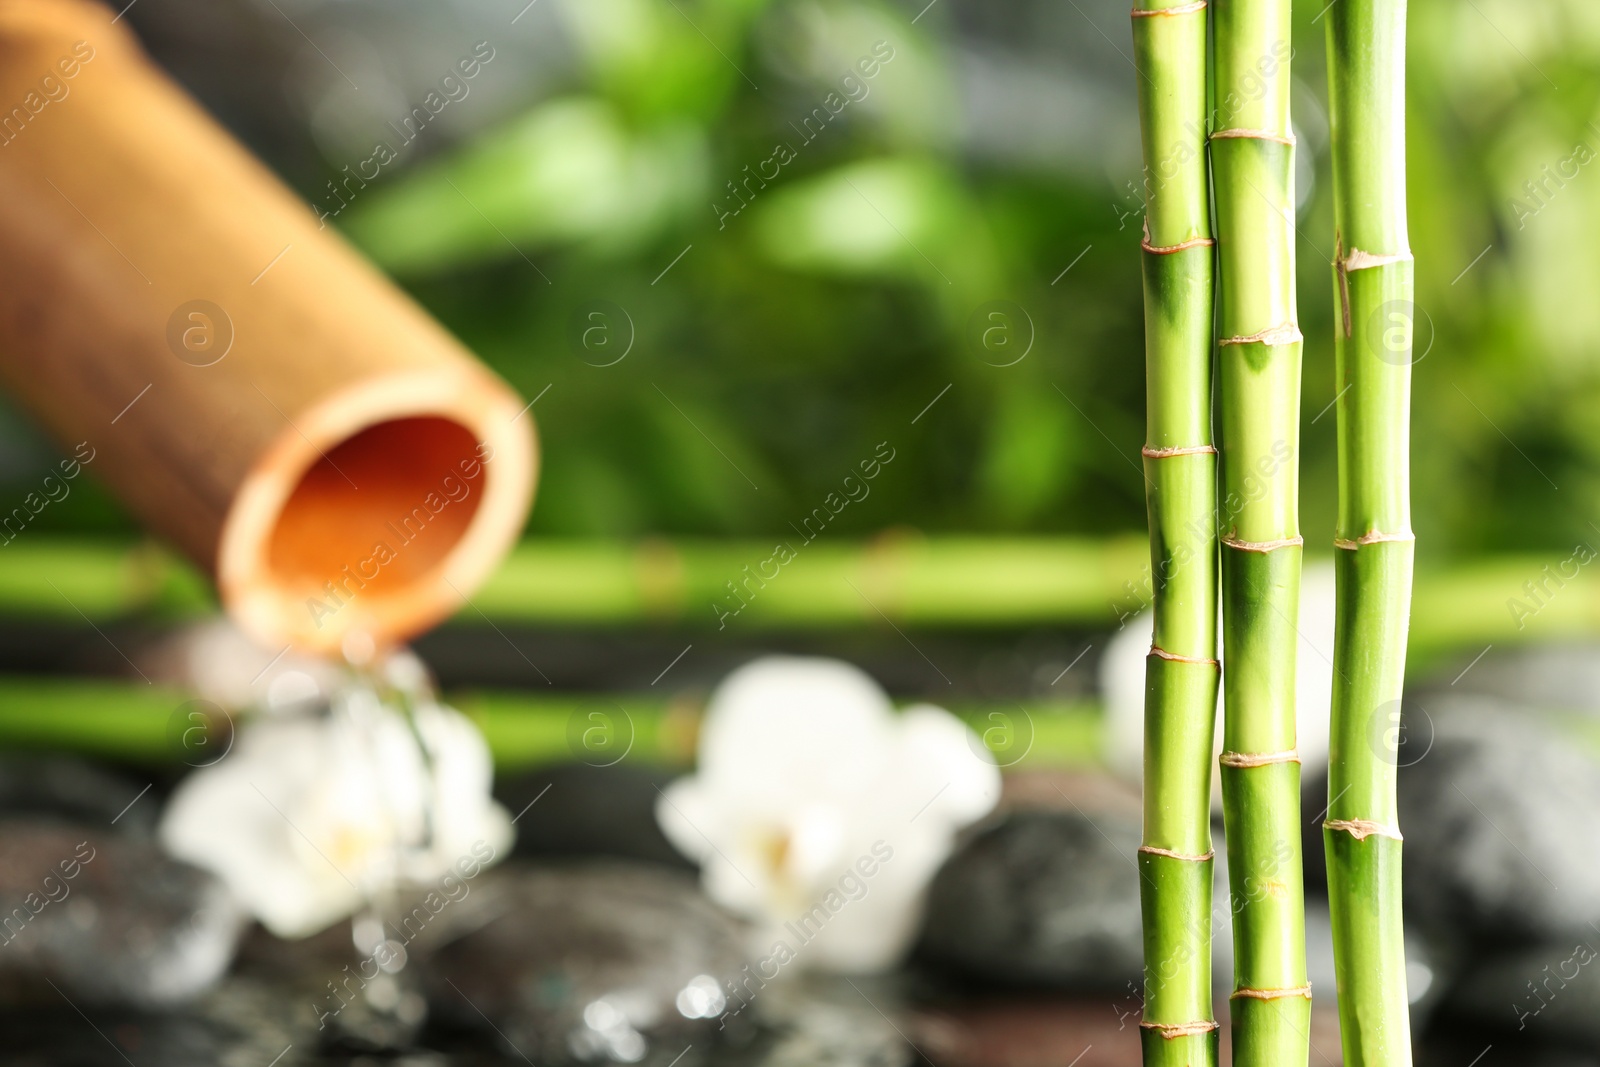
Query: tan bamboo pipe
point(250, 387)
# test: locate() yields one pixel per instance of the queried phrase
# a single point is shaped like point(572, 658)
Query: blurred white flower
point(310, 817)
point(1122, 683)
point(820, 814)
point(217, 662)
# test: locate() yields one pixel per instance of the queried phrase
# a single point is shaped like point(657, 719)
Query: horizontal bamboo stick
point(934, 582)
point(133, 723)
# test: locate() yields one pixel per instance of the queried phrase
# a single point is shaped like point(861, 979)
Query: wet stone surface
point(842, 1022)
point(136, 959)
point(1499, 819)
point(64, 789)
point(608, 961)
point(1045, 897)
point(109, 918)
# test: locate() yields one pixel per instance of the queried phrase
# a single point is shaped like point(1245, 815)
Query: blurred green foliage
point(822, 299)
point(1508, 399)
point(790, 295)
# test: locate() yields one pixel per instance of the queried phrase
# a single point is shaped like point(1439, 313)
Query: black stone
point(586, 963)
point(1499, 818)
point(110, 919)
point(815, 1020)
point(1543, 993)
point(1043, 897)
point(73, 790)
point(1464, 1041)
point(322, 989)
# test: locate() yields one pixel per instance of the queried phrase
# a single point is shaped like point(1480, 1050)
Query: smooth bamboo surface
point(251, 388)
point(1373, 291)
point(1259, 342)
point(1180, 464)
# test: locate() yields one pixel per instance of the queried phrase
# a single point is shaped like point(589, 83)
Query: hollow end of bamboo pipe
point(246, 384)
point(379, 513)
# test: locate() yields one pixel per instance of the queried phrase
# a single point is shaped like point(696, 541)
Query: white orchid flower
point(310, 817)
point(820, 814)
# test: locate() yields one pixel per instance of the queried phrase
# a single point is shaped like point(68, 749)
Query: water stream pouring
point(248, 386)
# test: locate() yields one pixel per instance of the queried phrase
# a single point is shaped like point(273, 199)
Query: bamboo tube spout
point(248, 386)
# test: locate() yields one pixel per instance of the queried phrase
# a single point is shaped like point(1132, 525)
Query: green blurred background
point(734, 248)
point(997, 147)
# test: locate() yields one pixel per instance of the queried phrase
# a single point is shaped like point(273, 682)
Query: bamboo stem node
point(1372, 537)
point(1181, 9)
point(1174, 1030)
point(1243, 760)
point(1359, 260)
point(1361, 829)
point(1271, 994)
point(1285, 334)
point(1263, 546)
point(1161, 653)
point(1166, 453)
point(1255, 135)
point(1152, 850)
point(1167, 250)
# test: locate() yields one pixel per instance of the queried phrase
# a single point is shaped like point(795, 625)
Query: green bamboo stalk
point(149, 725)
point(1374, 543)
point(933, 582)
point(1181, 675)
point(1252, 159)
